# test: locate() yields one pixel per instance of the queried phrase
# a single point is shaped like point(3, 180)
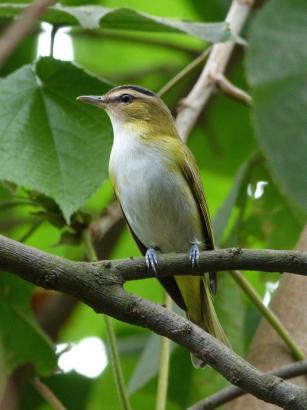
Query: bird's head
point(134, 106)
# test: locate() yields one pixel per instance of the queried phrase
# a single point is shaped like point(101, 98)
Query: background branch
point(267, 351)
point(224, 396)
point(269, 315)
point(17, 30)
point(192, 105)
point(48, 394)
point(104, 293)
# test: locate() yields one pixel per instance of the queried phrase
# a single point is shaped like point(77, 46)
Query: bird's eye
point(126, 98)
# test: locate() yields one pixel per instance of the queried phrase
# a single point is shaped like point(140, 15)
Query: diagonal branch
point(18, 30)
point(230, 393)
point(192, 105)
point(103, 291)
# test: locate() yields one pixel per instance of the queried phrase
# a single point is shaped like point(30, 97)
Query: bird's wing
point(190, 171)
point(169, 283)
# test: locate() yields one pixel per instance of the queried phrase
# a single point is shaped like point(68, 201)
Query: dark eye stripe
point(137, 88)
point(117, 99)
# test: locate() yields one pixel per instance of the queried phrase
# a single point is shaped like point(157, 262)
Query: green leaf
point(3, 375)
point(93, 17)
point(49, 142)
point(277, 73)
point(222, 216)
point(21, 339)
point(147, 366)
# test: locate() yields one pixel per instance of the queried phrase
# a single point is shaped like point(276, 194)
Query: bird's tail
point(200, 309)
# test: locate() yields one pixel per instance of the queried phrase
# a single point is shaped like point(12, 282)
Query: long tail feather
point(200, 310)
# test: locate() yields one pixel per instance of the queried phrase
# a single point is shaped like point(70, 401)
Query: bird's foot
point(151, 259)
point(194, 255)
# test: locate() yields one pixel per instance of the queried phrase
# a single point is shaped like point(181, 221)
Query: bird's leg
point(151, 259)
point(194, 255)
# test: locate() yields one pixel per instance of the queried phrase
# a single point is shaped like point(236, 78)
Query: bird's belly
point(158, 205)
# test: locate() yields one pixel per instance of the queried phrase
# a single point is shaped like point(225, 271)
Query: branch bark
point(105, 294)
point(266, 260)
point(14, 255)
point(226, 395)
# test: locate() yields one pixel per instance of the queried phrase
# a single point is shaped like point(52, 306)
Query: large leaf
point(222, 216)
point(21, 339)
point(49, 142)
point(93, 17)
point(277, 72)
point(148, 364)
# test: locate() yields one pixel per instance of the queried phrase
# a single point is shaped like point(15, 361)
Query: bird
point(157, 182)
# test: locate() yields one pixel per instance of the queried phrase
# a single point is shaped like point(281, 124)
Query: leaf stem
point(111, 338)
point(52, 38)
point(164, 365)
point(270, 316)
point(184, 72)
point(48, 394)
point(36, 224)
point(16, 202)
point(116, 366)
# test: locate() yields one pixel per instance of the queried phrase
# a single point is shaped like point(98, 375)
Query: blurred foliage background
point(53, 168)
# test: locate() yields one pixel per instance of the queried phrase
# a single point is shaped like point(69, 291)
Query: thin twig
point(164, 365)
point(33, 228)
point(192, 105)
point(18, 30)
point(48, 395)
point(116, 366)
point(184, 72)
point(270, 316)
point(230, 89)
point(111, 338)
point(52, 39)
point(11, 203)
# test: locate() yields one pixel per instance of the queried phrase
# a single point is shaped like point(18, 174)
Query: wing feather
point(190, 171)
point(169, 284)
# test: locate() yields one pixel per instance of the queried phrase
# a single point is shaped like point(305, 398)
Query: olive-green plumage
point(158, 185)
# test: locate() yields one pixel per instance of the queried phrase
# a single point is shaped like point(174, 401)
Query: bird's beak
point(93, 99)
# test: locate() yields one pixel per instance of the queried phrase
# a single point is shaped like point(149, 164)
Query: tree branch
point(191, 106)
point(99, 287)
point(230, 393)
point(17, 30)
point(266, 260)
point(14, 255)
point(48, 394)
point(295, 349)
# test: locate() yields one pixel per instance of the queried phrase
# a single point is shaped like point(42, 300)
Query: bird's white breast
point(157, 201)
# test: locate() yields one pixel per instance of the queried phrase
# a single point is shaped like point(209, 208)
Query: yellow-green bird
point(157, 182)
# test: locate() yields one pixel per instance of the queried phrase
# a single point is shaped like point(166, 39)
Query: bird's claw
point(194, 255)
point(151, 260)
